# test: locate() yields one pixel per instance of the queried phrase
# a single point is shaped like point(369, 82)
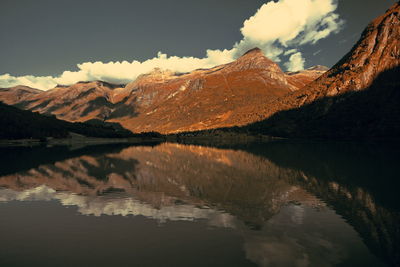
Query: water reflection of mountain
point(359, 181)
point(234, 181)
point(230, 188)
point(20, 158)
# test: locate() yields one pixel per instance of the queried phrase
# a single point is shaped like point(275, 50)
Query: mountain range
point(357, 97)
point(166, 102)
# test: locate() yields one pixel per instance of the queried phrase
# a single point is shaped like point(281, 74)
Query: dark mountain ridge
point(22, 124)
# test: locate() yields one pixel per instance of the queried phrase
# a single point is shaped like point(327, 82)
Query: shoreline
point(77, 141)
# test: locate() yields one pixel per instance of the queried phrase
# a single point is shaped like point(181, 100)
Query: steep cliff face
point(377, 51)
point(359, 96)
point(228, 95)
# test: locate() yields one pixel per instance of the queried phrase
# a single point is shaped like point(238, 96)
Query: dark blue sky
point(46, 37)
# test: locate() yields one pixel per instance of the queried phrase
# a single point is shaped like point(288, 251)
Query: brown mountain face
point(377, 51)
point(17, 94)
point(299, 79)
point(164, 101)
point(79, 102)
point(221, 96)
point(359, 96)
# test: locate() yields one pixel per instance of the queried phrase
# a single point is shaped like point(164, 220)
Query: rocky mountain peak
point(157, 75)
point(252, 60)
point(255, 55)
point(254, 52)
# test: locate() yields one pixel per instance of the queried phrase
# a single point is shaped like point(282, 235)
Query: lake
point(281, 203)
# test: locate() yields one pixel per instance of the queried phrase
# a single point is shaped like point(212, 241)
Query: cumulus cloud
point(120, 72)
point(285, 20)
point(295, 63)
point(278, 28)
point(43, 82)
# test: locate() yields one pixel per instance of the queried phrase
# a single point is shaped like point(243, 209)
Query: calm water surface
point(271, 204)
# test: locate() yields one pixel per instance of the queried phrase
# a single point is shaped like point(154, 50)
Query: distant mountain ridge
point(164, 101)
point(22, 124)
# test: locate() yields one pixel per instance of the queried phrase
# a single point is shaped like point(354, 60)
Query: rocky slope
point(227, 95)
point(358, 97)
point(17, 94)
point(79, 102)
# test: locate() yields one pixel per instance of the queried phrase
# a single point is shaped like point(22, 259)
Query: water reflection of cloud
point(123, 206)
point(299, 235)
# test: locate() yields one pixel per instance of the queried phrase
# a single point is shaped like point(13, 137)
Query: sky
point(50, 42)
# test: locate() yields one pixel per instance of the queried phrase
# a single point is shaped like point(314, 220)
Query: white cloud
point(44, 82)
point(316, 32)
point(278, 28)
point(120, 72)
point(112, 206)
point(289, 52)
point(295, 63)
